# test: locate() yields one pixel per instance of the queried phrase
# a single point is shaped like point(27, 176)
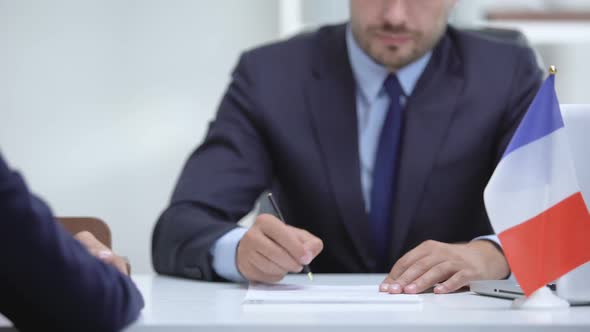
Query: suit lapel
point(428, 117)
point(331, 95)
point(332, 103)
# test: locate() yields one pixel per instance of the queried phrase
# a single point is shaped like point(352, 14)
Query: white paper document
point(324, 294)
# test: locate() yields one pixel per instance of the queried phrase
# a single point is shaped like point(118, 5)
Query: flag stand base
point(543, 298)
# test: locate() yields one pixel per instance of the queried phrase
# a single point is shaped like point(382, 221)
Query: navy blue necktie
point(384, 174)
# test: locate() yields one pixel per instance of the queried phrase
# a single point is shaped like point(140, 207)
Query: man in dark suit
point(378, 137)
point(50, 281)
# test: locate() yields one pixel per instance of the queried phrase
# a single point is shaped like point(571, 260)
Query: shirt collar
point(370, 75)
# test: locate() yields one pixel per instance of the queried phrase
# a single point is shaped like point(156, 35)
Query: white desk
point(174, 305)
point(183, 305)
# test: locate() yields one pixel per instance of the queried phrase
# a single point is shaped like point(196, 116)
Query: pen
point(280, 215)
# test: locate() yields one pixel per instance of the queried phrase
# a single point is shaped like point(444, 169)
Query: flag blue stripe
point(542, 118)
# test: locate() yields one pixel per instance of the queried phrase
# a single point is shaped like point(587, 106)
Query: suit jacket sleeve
point(48, 280)
point(219, 184)
point(526, 81)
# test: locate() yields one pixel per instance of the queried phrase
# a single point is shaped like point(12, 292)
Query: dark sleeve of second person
point(48, 281)
point(219, 184)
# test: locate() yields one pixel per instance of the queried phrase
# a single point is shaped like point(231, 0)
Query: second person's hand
point(270, 249)
point(102, 252)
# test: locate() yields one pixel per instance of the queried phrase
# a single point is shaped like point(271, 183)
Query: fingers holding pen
point(270, 249)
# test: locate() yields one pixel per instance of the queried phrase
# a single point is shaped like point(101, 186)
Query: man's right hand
point(270, 249)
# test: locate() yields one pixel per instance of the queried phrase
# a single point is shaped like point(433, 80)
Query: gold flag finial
point(552, 70)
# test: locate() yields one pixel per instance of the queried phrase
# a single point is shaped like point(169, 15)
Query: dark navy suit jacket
point(48, 281)
point(288, 123)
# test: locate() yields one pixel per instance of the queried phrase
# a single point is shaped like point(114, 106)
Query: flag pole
point(542, 298)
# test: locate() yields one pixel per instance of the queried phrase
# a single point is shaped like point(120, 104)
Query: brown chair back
point(95, 226)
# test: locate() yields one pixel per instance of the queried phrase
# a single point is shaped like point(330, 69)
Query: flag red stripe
point(549, 245)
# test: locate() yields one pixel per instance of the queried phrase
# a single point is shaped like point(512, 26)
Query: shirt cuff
point(492, 238)
point(224, 251)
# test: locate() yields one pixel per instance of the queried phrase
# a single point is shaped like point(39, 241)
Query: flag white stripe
point(530, 180)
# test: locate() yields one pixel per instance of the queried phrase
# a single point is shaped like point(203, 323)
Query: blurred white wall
point(324, 11)
point(564, 44)
point(101, 101)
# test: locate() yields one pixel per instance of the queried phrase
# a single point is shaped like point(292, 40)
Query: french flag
point(533, 199)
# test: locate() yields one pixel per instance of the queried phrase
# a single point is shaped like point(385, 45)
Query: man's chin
point(394, 60)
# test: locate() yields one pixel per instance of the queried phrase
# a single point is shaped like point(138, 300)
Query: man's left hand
point(447, 267)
